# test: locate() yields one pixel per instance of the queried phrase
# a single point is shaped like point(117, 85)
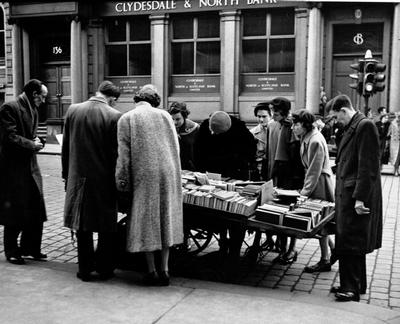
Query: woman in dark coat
point(187, 131)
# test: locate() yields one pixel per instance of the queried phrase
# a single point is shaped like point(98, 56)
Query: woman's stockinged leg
point(164, 259)
point(151, 267)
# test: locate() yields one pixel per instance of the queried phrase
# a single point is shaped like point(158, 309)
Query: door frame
point(328, 75)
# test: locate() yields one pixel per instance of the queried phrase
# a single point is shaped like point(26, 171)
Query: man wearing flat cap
point(358, 198)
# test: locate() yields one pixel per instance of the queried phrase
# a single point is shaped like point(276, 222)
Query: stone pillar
point(314, 66)
point(230, 60)
point(84, 45)
point(17, 64)
point(394, 98)
point(76, 61)
point(159, 50)
point(301, 15)
point(26, 56)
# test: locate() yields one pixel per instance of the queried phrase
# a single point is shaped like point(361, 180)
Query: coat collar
point(98, 98)
point(348, 134)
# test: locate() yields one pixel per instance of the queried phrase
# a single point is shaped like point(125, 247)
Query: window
point(2, 39)
point(268, 41)
point(195, 47)
point(128, 47)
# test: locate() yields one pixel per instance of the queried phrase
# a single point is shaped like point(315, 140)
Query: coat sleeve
point(316, 157)
point(65, 149)
point(367, 160)
point(8, 122)
point(124, 162)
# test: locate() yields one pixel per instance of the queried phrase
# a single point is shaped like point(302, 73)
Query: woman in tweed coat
point(148, 167)
point(318, 181)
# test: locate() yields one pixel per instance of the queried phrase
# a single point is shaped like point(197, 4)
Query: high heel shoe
point(289, 257)
point(164, 278)
point(151, 279)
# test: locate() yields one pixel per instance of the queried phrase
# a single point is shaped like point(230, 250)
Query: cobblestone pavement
point(383, 266)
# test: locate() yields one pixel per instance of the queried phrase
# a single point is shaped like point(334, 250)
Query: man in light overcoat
point(358, 198)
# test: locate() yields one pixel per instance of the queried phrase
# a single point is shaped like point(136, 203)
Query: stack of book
point(324, 208)
point(271, 213)
point(302, 219)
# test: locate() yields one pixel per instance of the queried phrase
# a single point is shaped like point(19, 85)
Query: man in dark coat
point(358, 198)
point(22, 208)
point(89, 154)
point(225, 145)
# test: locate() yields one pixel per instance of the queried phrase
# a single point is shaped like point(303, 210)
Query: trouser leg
point(363, 279)
point(85, 252)
point(31, 239)
point(11, 241)
point(350, 271)
point(105, 262)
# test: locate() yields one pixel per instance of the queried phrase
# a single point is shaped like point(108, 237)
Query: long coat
point(358, 178)
point(187, 134)
point(21, 189)
point(148, 167)
point(89, 154)
point(318, 180)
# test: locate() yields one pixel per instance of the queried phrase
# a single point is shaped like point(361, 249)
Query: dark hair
point(149, 94)
point(179, 107)
point(281, 105)
point(380, 109)
point(32, 86)
point(341, 101)
point(262, 106)
point(109, 89)
point(304, 117)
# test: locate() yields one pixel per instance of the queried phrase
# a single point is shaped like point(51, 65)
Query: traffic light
point(357, 77)
point(369, 78)
point(380, 76)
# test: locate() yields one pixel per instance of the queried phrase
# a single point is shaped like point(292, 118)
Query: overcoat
point(89, 154)
point(318, 180)
point(187, 136)
point(358, 178)
point(148, 167)
point(21, 189)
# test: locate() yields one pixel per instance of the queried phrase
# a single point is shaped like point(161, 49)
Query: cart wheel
point(198, 239)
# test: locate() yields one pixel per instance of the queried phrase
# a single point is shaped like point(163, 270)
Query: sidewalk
point(48, 292)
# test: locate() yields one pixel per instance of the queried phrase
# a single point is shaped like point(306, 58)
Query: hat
point(280, 104)
point(220, 122)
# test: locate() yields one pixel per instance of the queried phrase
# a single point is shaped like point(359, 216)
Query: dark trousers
point(353, 273)
point(30, 242)
point(101, 260)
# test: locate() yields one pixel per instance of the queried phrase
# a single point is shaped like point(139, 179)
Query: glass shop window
point(128, 47)
point(195, 44)
point(268, 41)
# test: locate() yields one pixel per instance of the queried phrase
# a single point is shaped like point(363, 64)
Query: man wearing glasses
point(22, 208)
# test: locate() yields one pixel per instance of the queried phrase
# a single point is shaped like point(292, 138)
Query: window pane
point(182, 27)
point(2, 48)
point(140, 59)
point(281, 55)
point(116, 30)
point(116, 58)
point(208, 57)
point(254, 23)
point(140, 28)
point(208, 26)
point(282, 22)
point(254, 56)
point(182, 58)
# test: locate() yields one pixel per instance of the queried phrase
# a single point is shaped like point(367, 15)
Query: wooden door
point(57, 77)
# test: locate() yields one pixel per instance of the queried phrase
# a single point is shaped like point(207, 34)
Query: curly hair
point(304, 117)
point(149, 94)
point(179, 107)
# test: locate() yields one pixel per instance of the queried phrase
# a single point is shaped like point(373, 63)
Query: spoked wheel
point(197, 240)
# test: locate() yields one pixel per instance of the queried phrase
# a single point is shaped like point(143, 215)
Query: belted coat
point(21, 189)
point(358, 178)
point(89, 154)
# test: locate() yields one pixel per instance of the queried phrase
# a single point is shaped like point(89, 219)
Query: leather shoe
point(151, 279)
point(321, 266)
point(86, 276)
point(164, 278)
point(289, 257)
point(36, 256)
point(335, 289)
point(103, 276)
point(345, 296)
point(16, 259)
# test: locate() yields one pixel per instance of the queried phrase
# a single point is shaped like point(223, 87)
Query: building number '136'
point(57, 50)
